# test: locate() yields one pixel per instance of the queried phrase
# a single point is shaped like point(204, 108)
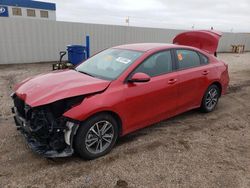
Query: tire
point(96, 136)
point(210, 99)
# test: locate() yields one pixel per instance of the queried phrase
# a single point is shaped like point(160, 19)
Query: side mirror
point(140, 77)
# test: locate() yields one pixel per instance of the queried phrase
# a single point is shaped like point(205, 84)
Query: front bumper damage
point(46, 134)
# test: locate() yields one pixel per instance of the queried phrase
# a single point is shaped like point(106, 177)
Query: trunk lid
point(206, 40)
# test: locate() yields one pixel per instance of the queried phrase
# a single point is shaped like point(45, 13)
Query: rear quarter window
point(204, 59)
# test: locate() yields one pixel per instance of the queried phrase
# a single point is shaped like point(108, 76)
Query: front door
point(152, 101)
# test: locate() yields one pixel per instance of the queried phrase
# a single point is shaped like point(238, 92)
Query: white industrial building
point(27, 9)
point(39, 38)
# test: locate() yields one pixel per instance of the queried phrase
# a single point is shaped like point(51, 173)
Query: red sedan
point(118, 91)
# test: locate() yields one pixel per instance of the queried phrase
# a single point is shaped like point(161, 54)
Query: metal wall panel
point(28, 41)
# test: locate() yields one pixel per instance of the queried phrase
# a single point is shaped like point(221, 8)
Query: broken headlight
point(61, 106)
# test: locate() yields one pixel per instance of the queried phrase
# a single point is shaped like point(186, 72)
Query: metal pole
point(88, 46)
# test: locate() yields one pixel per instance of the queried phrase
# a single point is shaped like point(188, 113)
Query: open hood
point(206, 40)
point(54, 86)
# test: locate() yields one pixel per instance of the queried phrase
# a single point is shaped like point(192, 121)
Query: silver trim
point(67, 134)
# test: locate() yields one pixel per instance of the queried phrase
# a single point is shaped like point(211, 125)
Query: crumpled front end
point(47, 132)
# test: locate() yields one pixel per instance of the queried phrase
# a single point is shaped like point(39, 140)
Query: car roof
point(143, 47)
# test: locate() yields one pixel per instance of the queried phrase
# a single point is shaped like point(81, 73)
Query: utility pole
point(127, 20)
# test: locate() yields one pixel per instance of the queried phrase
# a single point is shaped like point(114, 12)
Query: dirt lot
point(190, 150)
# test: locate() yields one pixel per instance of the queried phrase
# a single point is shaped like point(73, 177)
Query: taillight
point(226, 66)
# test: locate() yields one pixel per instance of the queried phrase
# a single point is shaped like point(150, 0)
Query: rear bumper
point(225, 79)
point(47, 147)
point(224, 90)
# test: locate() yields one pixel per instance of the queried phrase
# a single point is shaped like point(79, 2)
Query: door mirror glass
point(140, 77)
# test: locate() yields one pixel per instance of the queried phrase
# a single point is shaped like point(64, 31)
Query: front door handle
point(172, 81)
point(205, 72)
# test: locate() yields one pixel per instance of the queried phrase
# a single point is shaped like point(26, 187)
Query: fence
point(27, 40)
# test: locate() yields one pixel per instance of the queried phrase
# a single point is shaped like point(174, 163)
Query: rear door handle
point(205, 72)
point(172, 81)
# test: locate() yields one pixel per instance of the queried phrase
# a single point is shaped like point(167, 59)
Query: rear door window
point(187, 59)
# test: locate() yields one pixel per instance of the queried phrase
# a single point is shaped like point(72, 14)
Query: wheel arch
point(113, 114)
point(218, 84)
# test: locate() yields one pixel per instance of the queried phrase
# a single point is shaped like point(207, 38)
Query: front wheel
point(96, 137)
point(210, 99)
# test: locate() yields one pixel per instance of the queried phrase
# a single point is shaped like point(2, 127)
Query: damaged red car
point(117, 91)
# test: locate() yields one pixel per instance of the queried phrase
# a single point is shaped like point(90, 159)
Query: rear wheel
point(210, 99)
point(96, 136)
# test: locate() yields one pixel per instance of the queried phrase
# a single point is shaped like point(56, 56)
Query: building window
point(44, 14)
point(17, 11)
point(31, 12)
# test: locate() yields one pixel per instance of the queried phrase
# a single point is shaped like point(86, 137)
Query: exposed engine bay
point(47, 131)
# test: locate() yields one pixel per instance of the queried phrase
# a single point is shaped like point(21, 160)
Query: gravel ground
point(190, 150)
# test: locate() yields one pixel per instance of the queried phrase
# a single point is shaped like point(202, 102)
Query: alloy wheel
point(212, 98)
point(99, 137)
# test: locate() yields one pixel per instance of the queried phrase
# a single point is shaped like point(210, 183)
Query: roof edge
point(29, 4)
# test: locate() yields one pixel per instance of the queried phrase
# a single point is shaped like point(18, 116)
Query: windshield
point(108, 64)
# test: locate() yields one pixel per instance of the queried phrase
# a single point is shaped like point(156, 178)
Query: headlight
point(61, 106)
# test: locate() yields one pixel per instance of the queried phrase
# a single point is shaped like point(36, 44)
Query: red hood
point(206, 40)
point(54, 86)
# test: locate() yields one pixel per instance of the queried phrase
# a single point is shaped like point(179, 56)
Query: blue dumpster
point(76, 54)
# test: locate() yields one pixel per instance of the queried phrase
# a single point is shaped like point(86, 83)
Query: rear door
point(193, 71)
